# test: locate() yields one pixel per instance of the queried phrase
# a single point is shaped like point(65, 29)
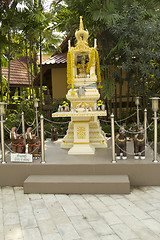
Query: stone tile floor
point(80, 217)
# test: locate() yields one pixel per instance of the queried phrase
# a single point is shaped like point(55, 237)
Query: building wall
point(59, 82)
point(124, 88)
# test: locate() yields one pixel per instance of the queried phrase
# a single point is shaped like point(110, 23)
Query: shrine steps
point(77, 184)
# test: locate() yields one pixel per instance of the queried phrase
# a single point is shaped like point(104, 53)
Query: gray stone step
point(77, 184)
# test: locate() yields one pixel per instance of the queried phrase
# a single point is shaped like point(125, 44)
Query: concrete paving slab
point(82, 221)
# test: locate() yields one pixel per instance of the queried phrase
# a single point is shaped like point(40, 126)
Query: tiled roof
point(56, 59)
point(18, 73)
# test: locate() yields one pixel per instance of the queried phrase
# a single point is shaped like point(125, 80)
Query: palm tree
point(3, 39)
point(37, 31)
point(8, 23)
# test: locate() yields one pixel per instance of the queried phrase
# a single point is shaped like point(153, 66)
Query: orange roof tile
point(56, 59)
point(18, 73)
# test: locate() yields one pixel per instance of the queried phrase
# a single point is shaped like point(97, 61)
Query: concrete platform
point(56, 155)
point(81, 184)
point(58, 162)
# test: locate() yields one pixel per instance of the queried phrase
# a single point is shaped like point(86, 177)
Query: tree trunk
point(35, 68)
point(132, 104)
point(110, 106)
point(9, 63)
point(115, 102)
point(28, 70)
point(120, 99)
point(1, 75)
point(127, 107)
point(31, 66)
point(41, 75)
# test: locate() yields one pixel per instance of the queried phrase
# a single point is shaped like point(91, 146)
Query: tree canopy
point(127, 32)
point(24, 31)
point(128, 41)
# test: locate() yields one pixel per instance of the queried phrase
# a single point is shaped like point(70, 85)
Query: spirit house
point(84, 132)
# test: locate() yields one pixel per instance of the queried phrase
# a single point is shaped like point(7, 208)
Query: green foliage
point(13, 116)
point(128, 39)
point(108, 88)
point(4, 90)
point(106, 128)
point(19, 104)
point(22, 32)
point(62, 128)
point(150, 134)
point(140, 52)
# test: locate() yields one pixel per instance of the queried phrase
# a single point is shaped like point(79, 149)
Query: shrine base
point(80, 149)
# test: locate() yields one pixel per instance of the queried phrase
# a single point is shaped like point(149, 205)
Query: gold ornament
point(93, 56)
point(70, 68)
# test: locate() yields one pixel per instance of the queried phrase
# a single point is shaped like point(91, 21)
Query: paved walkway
point(80, 217)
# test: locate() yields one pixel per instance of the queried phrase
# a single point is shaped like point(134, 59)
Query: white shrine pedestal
point(81, 120)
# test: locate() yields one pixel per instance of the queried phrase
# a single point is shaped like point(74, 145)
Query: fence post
point(145, 125)
point(2, 141)
point(42, 139)
point(113, 139)
point(138, 116)
point(137, 102)
point(37, 122)
point(23, 128)
point(155, 137)
point(155, 109)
